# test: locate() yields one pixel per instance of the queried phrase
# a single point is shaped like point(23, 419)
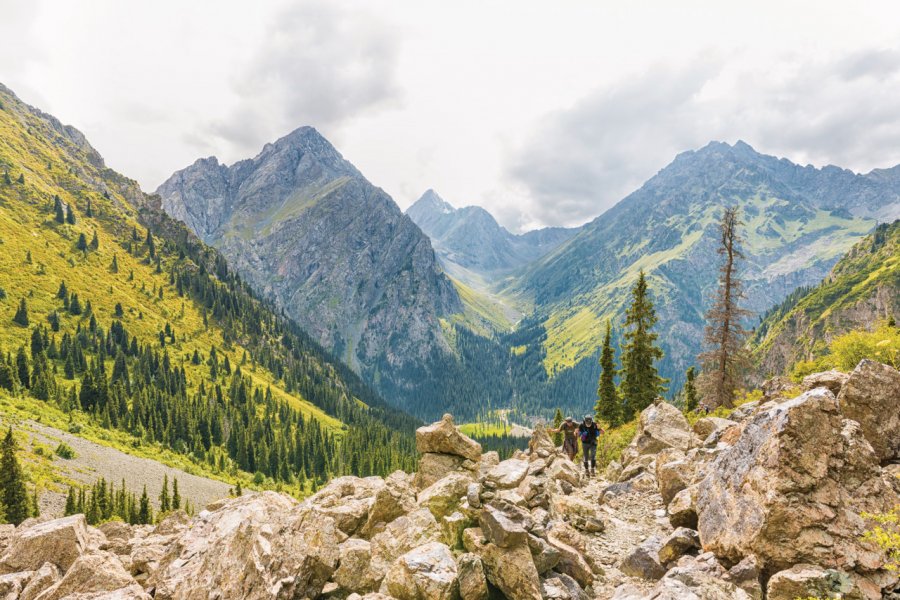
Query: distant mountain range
point(472, 245)
point(488, 319)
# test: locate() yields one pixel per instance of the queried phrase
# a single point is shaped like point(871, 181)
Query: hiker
point(589, 434)
point(570, 445)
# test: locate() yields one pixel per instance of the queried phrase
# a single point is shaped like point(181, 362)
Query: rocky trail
point(766, 504)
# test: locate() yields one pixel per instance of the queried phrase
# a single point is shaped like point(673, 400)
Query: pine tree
point(641, 382)
point(60, 216)
point(690, 391)
point(89, 211)
point(114, 266)
point(22, 370)
point(75, 305)
point(608, 409)
point(21, 316)
point(63, 291)
point(71, 503)
point(8, 379)
point(725, 358)
point(164, 503)
point(145, 514)
point(176, 497)
point(557, 421)
point(70, 215)
point(95, 243)
point(81, 244)
point(13, 494)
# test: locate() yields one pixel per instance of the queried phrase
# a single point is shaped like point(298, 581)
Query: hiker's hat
point(588, 418)
point(569, 419)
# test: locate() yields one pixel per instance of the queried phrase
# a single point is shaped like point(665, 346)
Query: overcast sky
point(545, 113)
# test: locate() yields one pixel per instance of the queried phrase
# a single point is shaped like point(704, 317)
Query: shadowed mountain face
point(304, 227)
point(471, 238)
point(797, 222)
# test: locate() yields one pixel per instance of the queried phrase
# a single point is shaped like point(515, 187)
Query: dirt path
point(94, 460)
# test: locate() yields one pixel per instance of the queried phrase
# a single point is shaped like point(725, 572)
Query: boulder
point(399, 537)
point(433, 466)
point(565, 470)
point(452, 527)
point(709, 425)
point(791, 489)
point(687, 584)
point(58, 541)
point(746, 575)
point(643, 561)
point(145, 555)
point(678, 543)
point(256, 546)
point(96, 573)
point(428, 572)
point(508, 474)
point(42, 579)
point(808, 581)
point(545, 556)
point(352, 574)
point(443, 496)
point(871, 396)
point(562, 587)
point(682, 509)
point(571, 560)
point(674, 472)
point(662, 426)
point(11, 584)
point(472, 582)
point(443, 437)
point(580, 513)
point(488, 461)
point(175, 522)
point(776, 388)
point(832, 380)
point(347, 501)
point(397, 497)
point(502, 529)
point(511, 570)
point(541, 444)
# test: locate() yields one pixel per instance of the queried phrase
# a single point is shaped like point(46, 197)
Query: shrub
point(65, 451)
point(882, 345)
point(886, 535)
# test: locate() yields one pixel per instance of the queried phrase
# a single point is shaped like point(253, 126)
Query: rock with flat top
point(809, 581)
point(443, 437)
point(443, 497)
point(833, 380)
point(472, 581)
point(99, 574)
point(58, 541)
point(428, 572)
point(511, 570)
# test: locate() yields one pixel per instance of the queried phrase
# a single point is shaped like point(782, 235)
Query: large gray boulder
point(433, 466)
point(399, 537)
point(353, 574)
point(59, 541)
point(502, 529)
point(253, 547)
point(662, 426)
point(508, 474)
point(792, 488)
point(871, 396)
point(472, 582)
point(833, 380)
point(428, 572)
point(809, 581)
point(95, 575)
point(443, 437)
point(511, 570)
point(443, 496)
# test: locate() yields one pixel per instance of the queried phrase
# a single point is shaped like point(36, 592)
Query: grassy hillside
point(140, 336)
point(861, 292)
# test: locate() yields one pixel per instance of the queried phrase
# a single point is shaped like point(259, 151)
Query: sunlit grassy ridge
point(145, 278)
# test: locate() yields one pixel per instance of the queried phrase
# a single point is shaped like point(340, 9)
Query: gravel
point(94, 460)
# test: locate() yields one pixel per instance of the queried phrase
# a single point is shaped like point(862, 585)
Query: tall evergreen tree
point(641, 382)
point(12, 483)
point(725, 358)
point(176, 497)
point(70, 215)
point(21, 316)
point(81, 244)
point(22, 369)
point(690, 391)
point(89, 211)
point(608, 408)
point(95, 243)
point(145, 513)
point(164, 502)
point(60, 215)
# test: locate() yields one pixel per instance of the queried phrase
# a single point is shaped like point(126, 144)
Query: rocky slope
point(471, 244)
point(305, 228)
point(798, 222)
point(766, 503)
point(862, 290)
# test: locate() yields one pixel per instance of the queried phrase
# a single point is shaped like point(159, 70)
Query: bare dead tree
point(725, 358)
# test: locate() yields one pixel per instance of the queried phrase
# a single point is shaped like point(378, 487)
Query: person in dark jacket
point(589, 434)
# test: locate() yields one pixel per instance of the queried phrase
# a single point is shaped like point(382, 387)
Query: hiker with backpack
point(570, 444)
point(589, 433)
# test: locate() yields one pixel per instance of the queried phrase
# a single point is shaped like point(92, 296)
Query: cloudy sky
point(546, 113)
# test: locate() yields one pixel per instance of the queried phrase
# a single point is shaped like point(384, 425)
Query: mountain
point(797, 222)
point(862, 290)
point(306, 229)
point(469, 241)
point(118, 323)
